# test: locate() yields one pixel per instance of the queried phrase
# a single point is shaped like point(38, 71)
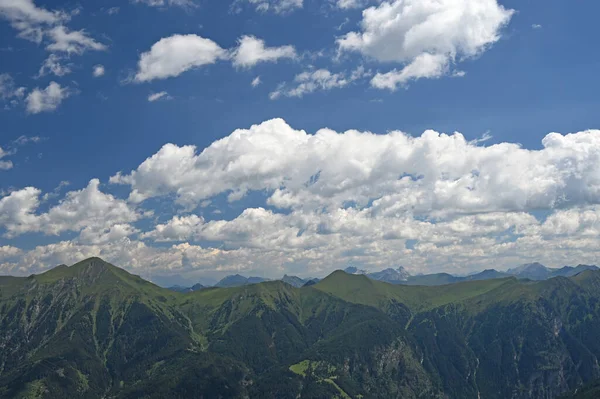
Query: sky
point(192, 139)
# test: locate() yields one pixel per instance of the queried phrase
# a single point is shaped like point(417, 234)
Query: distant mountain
point(294, 281)
point(239, 281)
point(178, 288)
point(393, 276)
point(354, 270)
point(531, 271)
point(176, 280)
point(488, 274)
point(569, 271)
point(433, 279)
point(311, 282)
point(537, 271)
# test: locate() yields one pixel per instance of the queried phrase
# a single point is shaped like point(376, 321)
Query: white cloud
point(321, 79)
point(8, 91)
point(536, 26)
point(4, 165)
point(34, 23)
point(431, 203)
point(166, 3)
point(179, 228)
point(432, 174)
point(30, 20)
point(176, 54)
point(425, 36)
point(8, 251)
point(89, 211)
point(350, 4)
point(251, 51)
point(48, 99)
point(53, 65)
point(423, 66)
point(163, 95)
point(72, 41)
point(276, 6)
point(98, 71)
point(12, 150)
point(256, 81)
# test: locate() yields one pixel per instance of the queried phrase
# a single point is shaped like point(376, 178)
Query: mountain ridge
point(532, 271)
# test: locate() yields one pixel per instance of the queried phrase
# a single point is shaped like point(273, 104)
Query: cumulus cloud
point(8, 251)
point(425, 36)
point(435, 172)
point(175, 55)
point(89, 211)
point(435, 202)
point(270, 244)
point(256, 81)
point(423, 66)
point(276, 6)
point(179, 228)
point(98, 71)
point(163, 95)
point(48, 99)
point(251, 51)
point(311, 81)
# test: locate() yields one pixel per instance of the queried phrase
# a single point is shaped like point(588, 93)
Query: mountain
point(354, 270)
point(537, 271)
point(238, 281)
point(93, 330)
point(488, 274)
point(433, 279)
point(393, 276)
point(311, 282)
point(294, 281)
point(178, 288)
point(532, 271)
point(569, 271)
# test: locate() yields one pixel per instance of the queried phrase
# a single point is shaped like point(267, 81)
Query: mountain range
point(532, 271)
point(92, 330)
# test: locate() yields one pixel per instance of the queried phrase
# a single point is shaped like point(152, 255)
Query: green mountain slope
point(93, 330)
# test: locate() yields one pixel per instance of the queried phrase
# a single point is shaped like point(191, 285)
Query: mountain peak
point(354, 270)
point(532, 271)
point(92, 272)
point(390, 275)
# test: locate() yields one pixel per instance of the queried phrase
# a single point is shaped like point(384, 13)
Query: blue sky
point(512, 72)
